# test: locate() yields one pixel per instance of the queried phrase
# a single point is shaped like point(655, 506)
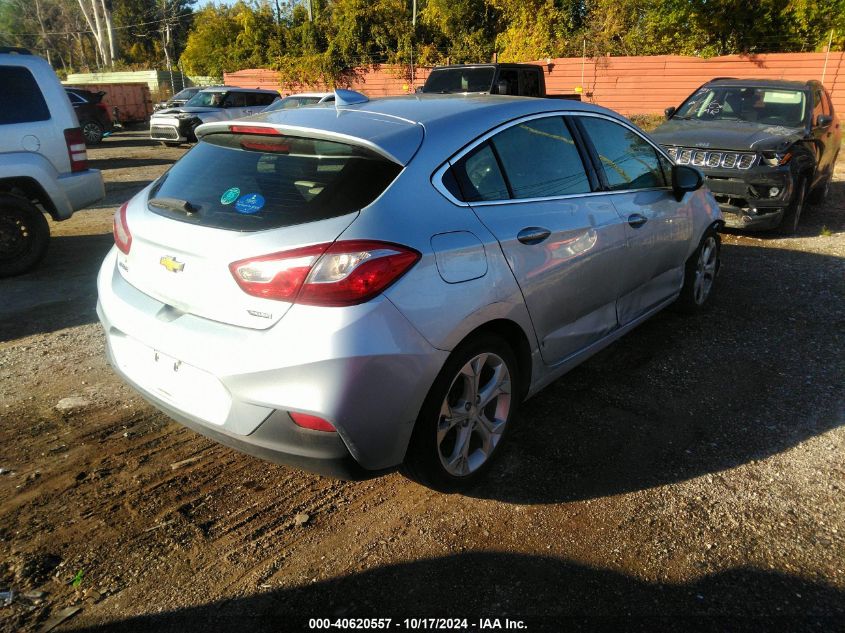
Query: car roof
point(487, 65)
point(310, 94)
point(236, 89)
point(396, 125)
point(760, 83)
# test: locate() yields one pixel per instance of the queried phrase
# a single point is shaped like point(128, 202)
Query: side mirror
point(501, 87)
point(669, 111)
point(823, 120)
point(685, 178)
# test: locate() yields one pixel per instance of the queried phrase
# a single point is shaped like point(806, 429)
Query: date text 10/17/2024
point(417, 624)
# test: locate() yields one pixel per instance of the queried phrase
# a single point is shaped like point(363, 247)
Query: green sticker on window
point(230, 195)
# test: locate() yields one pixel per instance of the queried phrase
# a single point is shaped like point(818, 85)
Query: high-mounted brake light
point(76, 151)
point(253, 129)
point(122, 236)
point(339, 274)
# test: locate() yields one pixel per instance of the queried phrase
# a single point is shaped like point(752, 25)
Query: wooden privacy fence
point(630, 85)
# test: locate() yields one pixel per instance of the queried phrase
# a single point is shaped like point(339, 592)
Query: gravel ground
point(689, 476)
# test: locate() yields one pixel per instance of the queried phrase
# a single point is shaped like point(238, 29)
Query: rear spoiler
point(222, 127)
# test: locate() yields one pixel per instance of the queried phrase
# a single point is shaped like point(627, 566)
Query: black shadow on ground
point(684, 396)
point(554, 595)
point(106, 164)
point(133, 138)
point(60, 293)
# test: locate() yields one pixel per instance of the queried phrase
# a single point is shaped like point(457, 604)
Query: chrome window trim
point(437, 176)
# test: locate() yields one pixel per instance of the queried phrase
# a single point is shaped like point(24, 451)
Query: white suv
point(43, 161)
point(221, 103)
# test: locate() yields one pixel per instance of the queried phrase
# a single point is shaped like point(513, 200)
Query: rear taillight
point(339, 274)
point(76, 151)
point(122, 236)
point(104, 109)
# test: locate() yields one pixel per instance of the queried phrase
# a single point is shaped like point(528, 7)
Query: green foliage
point(224, 38)
point(344, 34)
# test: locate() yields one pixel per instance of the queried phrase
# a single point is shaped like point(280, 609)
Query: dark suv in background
point(94, 117)
point(764, 146)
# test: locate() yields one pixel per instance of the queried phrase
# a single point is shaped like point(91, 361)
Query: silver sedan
point(366, 284)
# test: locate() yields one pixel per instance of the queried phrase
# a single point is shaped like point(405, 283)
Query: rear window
point(21, 100)
point(246, 182)
point(451, 80)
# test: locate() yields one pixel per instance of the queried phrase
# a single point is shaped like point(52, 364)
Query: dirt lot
point(690, 475)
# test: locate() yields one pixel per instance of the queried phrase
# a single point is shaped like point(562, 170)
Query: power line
point(172, 20)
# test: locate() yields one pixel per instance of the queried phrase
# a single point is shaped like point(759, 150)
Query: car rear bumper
point(277, 439)
point(364, 369)
point(81, 189)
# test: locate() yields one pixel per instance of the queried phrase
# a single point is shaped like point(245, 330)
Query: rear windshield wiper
point(173, 204)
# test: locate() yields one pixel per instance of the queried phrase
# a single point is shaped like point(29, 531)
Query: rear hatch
point(236, 196)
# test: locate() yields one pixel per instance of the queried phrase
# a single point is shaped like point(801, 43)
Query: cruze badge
point(172, 264)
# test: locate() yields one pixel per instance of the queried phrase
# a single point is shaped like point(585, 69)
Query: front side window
point(627, 159)
point(827, 108)
point(21, 100)
point(206, 100)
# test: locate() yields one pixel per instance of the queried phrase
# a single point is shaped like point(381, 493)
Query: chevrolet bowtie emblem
point(172, 264)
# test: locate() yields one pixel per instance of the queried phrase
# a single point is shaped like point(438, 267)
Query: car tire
point(456, 435)
point(819, 194)
point(93, 132)
point(700, 272)
point(24, 235)
point(792, 216)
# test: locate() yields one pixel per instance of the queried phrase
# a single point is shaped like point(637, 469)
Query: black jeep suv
point(765, 147)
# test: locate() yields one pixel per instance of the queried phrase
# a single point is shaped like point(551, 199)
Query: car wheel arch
point(30, 189)
point(517, 339)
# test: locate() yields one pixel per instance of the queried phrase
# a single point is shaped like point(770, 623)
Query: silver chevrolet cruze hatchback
point(352, 287)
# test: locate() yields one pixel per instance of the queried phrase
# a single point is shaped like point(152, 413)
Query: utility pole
point(827, 54)
point(413, 32)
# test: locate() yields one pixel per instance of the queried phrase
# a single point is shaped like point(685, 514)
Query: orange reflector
point(311, 422)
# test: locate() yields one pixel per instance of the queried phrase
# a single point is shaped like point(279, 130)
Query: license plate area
point(187, 388)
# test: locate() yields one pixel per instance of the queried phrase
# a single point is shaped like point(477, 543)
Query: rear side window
point(235, 100)
point(540, 159)
point(628, 160)
point(530, 83)
point(21, 100)
point(534, 159)
point(246, 182)
point(479, 176)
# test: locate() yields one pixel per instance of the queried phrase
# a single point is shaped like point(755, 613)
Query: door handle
point(636, 220)
point(533, 235)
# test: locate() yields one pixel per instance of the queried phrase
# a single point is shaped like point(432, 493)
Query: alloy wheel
point(474, 414)
point(705, 270)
